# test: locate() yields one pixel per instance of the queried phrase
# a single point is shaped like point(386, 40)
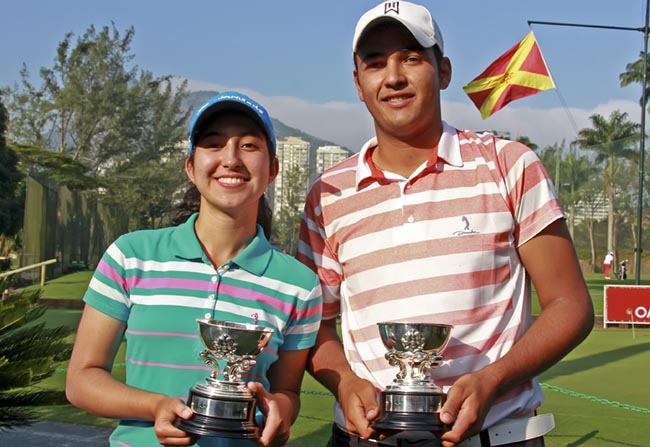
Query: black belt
point(341, 438)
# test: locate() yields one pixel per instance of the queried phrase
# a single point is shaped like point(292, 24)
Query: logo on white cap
point(391, 6)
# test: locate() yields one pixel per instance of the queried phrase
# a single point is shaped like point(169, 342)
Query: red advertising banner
point(626, 304)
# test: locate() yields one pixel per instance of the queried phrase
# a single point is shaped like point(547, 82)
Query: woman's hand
point(167, 413)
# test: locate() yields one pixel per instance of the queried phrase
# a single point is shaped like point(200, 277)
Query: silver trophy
point(413, 401)
point(224, 407)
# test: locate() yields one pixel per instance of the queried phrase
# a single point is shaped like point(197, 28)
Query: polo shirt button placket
point(212, 298)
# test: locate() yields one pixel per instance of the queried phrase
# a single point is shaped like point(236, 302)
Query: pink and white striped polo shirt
point(440, 246)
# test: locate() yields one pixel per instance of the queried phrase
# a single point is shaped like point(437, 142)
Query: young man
point(428, 223)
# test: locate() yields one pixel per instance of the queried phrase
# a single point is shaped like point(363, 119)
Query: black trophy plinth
point(410, 410)
point(220, 415)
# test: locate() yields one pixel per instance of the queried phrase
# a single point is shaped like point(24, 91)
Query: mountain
point(282, 131)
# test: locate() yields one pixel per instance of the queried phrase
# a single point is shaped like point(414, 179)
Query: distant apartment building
point(597, 208)
point(293, 158)
point(328, 156)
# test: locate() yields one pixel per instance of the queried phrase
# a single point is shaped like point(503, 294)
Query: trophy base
point(220, 428)
point(221, 413)
point(410, 410)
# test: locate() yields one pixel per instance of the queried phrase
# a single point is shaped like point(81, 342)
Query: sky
point(294, 56)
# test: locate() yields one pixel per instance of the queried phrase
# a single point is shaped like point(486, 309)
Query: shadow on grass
point(584, 439)
point(592, 438)
point(568, 367)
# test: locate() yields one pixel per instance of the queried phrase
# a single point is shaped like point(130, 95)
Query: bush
point(28, 354)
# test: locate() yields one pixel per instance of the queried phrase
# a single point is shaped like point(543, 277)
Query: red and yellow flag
point(519, 72)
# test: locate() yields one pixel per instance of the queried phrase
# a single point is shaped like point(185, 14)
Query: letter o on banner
point(626, 304)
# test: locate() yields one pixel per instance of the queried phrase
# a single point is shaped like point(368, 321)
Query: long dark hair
point(192, 200)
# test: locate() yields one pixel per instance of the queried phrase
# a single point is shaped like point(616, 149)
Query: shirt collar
point(448, 151)
point(255, 258)
point(186, 244)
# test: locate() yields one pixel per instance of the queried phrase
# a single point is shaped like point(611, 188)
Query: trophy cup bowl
point(224, 407)
point(412, 403)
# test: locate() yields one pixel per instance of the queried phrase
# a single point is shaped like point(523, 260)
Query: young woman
point(152, 285)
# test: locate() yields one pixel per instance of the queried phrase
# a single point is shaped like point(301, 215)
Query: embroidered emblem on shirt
point(467, 229)
point(255, 317)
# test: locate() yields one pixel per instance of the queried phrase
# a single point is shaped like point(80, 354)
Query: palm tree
point(613, 141)
point(576, 174)
point(634, 74)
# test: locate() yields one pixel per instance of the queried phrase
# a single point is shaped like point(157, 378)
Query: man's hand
point(167, 412)
point(467, 404)
point(276, 408)
point(358, 398)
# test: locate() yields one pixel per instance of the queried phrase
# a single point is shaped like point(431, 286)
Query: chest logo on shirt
point(255, 317)
point(467, 228)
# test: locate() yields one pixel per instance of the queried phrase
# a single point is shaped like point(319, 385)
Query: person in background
point(607, 264)
point(151, 286)
point(429, 223)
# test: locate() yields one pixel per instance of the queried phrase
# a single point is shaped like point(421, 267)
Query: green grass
point(596, 286)
point(68, 286)
point(602, 397)
point(598, 393)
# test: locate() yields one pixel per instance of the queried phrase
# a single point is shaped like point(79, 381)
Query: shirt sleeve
point(529, 190)
point(108, 291)
point(314, 251)
point(303, 328)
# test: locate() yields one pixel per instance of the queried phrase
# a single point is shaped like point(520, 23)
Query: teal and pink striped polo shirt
point(160, 282)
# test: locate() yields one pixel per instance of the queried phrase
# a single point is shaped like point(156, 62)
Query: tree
point(591, 199)
point(576, 174)
point(525, 140)
point(11, 204)
point(156, 172)
point(634, 75)
point(613, 142)
point(102, 115)
point(551, 157)
point(55, 165)
point(287, 224)
point(29, 352)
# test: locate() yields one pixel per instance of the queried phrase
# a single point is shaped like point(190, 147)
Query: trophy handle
point(209, 359)
point(415, 365)
point(429, 360)
point(235, 366)
point(394, 359)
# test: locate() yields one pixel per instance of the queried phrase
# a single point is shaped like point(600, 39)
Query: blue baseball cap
point(234, 101)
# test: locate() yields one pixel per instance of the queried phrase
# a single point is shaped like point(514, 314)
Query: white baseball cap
point(416, 18)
